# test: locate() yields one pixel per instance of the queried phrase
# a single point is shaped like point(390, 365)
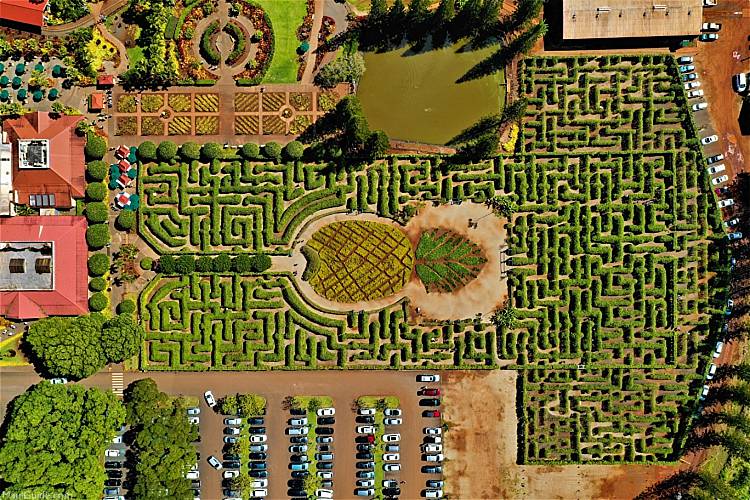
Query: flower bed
point(151, 103)
point(209, 51)
point(191, 68)
point(206, 125)
point(152, 125)
point(180, 102)
point(206, 103)
point(127, 125)
point(180, 125)
point(256, 69)
point(126, 104)
point(239, 36)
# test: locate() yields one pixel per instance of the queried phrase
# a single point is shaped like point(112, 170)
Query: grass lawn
point(286, 16)
point(372, 401)
point(10, 354)
point(135, 54)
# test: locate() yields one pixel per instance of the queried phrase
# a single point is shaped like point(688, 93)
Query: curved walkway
point(307, 75)
point(105, 8)
point(120, 48)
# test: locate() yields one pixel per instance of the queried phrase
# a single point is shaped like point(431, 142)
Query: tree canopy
point(121, 337)
point(55, 440)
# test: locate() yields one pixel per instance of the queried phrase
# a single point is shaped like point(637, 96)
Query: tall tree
point(121, 338)
point(443, 20)
point(416, 19)
point(396, 21)
point(378, 11)
point(526, 12)
point(467, 19)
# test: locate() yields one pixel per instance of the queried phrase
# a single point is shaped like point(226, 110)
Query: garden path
point(120, 48)
point(307, 75)
point(97, 9)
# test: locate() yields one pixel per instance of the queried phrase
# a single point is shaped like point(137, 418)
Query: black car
point(325, 448)
point(300, 474)
point(429, 402)
point(112, 482)
point(113, 465)
point(326, 484)
point(196, 483)
point(324, 431)
point(298, 440)
point(296, 483)
point(231, 493)
point(364, 455)
point(325, 465)
point(258, 473)
point(258, 456)
point(255, 421)
point(432, 469)
point(231, 465)
point(326, 420)
point(363, 475)
point(257, 430)
point(231, 457)
point(114, 473)
point(365, 465)
point(298, 411)
point(298, 458)
point(364, 447)
point(257, 466)
point(391, 492)
point(196, 493)
point(365, 419)
point(297, 493)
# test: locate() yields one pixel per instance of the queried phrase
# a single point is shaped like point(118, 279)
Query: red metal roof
point(65, 176)
point(69, 297)
point(104, 80)
point(96, 101)
point(23, 11)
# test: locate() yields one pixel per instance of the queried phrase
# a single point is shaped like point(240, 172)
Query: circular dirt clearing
point(352, 261)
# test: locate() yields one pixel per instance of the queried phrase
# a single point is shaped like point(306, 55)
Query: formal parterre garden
point(616, 270)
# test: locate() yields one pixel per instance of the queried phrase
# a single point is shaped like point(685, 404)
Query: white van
point(739, 82)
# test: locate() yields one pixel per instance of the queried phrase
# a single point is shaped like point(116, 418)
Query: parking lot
point(277, 387)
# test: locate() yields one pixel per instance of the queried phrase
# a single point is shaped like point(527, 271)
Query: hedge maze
point(610, 255)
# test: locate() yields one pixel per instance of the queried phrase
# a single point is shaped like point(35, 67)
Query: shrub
point(97, 236)
point(203, 264)
point(96, 191)
point(190, 151)
point(251, 151)
point(98, 302)
point(147, 263)
point(242, 264)
point(260, 263)
point(184, 264)
point(98, 264)
point(96, 170)
point(96, 147)
point(272, 150)
point(97, 212)
point(211, 151)
point(207, 49)
point(147, 151)
point(97, 284)
point(166, 150)
point(125, 220)
point(294, 150)
point(222, 263)
point(166, 264)
point(127, 306)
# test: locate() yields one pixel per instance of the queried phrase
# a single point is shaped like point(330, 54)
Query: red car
point(430, 392)
point(431, 413)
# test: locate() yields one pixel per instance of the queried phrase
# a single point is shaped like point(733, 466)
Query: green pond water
point(416, 97)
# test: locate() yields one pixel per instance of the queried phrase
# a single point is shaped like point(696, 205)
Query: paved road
point(343, 387)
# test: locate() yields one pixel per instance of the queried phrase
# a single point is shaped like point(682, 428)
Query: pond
point(416, 97)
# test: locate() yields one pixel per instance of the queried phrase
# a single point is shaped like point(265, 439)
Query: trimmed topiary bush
point(294, 150)
point(211, 151)
point(166, 264)
point(260, 263)
point(96, 170)
point(147, 263)
point(96, 147)
point(272, 151)
point(166, 150)
point(190, 151)
point(96, 191)
point(97, 236)
point(125, 220)
point(98, 264)
point(147, 151)
point(97, 284)
point(184, 264)
point(204, 264)
point(98, 302)
point(242, 264)
point(222, 263)
point(97, 212)
point(127, 306)
point(251, 151)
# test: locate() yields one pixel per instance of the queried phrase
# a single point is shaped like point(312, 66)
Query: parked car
point(428, 378)
point(364, 492)
point(299, 448)
point(719, 180)
point(231, 493)
point(232, 465)
point(704, 392)
point(325, 474)
point(193, 411)
point(710, 27)
point(391, 438)
point(365, 483)
point(299, 458)
point(327, 456)
point(258, 438)
point(699, 106)
point(687, 68)
point(708, 37)
point(326, 420)
point(392, 412)
point(111, 491)
point(326, 431)
point(392, 448)
point(711, 372)
point(432, 469)
point(194, 420)
point(433, 458)
point(435, 483)
point(257, 430)
point(716, 169)
point(391, 467)
point(709, 3)
point(695, 93)
point(392, 492)
point(298, 411)
point(257, 466)
point(726, 203)
point(114, 473)
point(210, 400)
point(433, 439)
point(692, 85)
point(231, 439)
point(323, 493)
point(432, 493)
point(58, 380)
point(297, 422)
point(231, 474)
point(298, 440)
point(366, 411)
point(259, 473)
point(433, 448)
point(739, 82)
point(433, 431)
point(737, 235)
point(365, 447)
point(688, 77)
point(365, 429)
point(685, 60)
point(429, 402)
point(214, 462)
point(297, 431)
point(709, 140)
point(325, 448)
point(713, 159)
point(231, 431)
point(113, 453)
point(324, 439)
point(391, 457)
point(326, 412)
point(112, 482)
point(365, 465)
point(390, 483)
point(233, 421)
point(255, 421)
point(256, 448)
point(325, 465)
point(259, 493)
point(117, 440)
point(393, 421)
point(258, 456)
point(193, 474)
point(112, 464)
point(717, 350)
point(431, 413)
point(730, 223)
point(365, 474)
point(365, 455)
point(365, 419)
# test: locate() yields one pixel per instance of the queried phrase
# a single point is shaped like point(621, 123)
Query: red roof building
point(48, 166)
point(23, 11)
point(43, 266)
point(96, 101)
point(104, 80)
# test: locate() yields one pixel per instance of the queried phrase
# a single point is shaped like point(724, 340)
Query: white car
point(434, 458)
point(739, 82)
point(730, 223)
point(699, 106)
point(393, 421)
point(193, 411)
point(323, 493)
point(260, 493)
point(258, 438)
point(709, 3)
point(692, 85)
point(231, 474)
point(59, 380)
point(391, 438)
point(718, 349)
point(214, 462)
point(210, 399)
point(726, 203)
point(685, 60)
point(393, 412)
point(433, 448)
point(365, 483)
point(326, 412)
point(433, 431)
point(710, 27)
point(232, 421)
point(431, 493)
point(709, 140)
point(366, 411)
point(365, 429)
point(716, 169)
point(259, 483)
point(325, 474)
point(713, 159)
point(711, 372)
point(194, 420)
point(391, 457)
point(297, 422)
point(117, 440)
point(718, 180)
point(193, 474)
point(695, 93)
point(428, 378)
point(705, 390)
point(232, 431)
point(112, 453)
point(391, 467)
